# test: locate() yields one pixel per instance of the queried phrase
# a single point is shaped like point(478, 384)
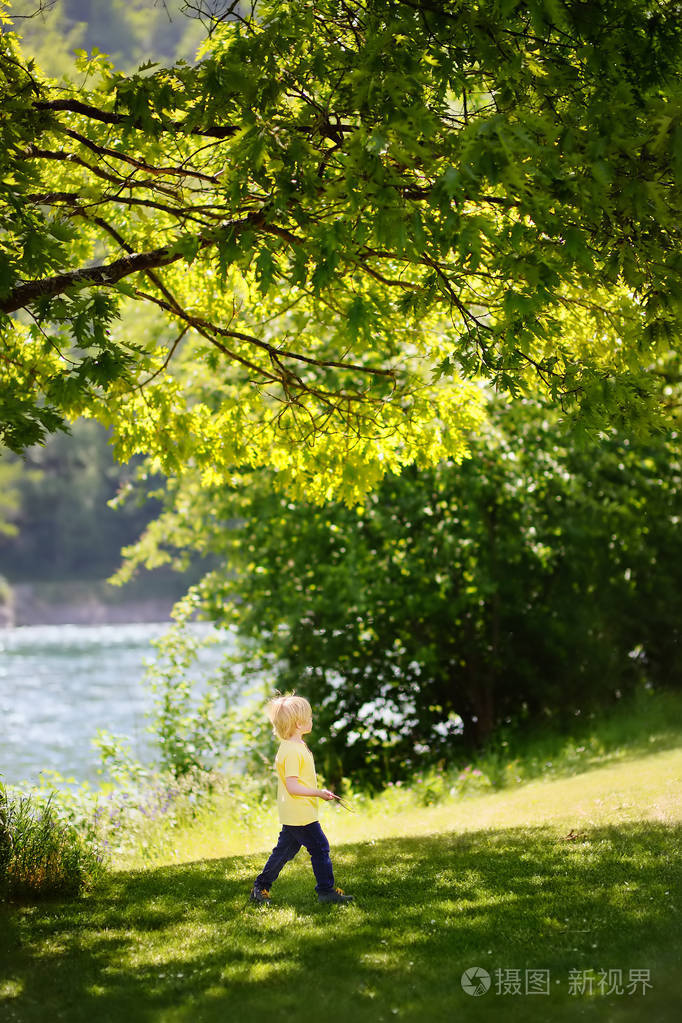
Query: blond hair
point(287, 713)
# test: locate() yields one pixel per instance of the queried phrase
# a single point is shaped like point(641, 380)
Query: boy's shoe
point(260, 895)
point(335, 896)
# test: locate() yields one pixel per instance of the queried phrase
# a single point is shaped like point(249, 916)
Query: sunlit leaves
point(365, 208)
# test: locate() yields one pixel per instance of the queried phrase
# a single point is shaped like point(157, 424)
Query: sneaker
point(335, 896)
point(260, 895)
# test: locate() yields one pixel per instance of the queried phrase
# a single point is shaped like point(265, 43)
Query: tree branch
point(182, 172)
point(75, 106)
point(110, 273)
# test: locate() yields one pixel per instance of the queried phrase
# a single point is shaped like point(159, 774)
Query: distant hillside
point(130, 31)
point(55, 520)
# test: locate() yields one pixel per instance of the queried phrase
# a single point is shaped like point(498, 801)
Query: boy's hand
point(326, 794)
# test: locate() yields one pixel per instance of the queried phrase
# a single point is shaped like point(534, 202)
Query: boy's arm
point(295, 788)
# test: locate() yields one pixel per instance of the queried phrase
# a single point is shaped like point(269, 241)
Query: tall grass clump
point(146, 812)
point(40, 854)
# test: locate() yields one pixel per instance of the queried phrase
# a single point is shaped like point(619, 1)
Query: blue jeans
point(291, 838)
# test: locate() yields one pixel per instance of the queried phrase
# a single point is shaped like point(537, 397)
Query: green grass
point(236, 819)
point(492, 881)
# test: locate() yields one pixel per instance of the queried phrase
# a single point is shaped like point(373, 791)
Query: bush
point(40, 854)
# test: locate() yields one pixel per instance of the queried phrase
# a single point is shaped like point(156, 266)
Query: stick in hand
point(343, 803)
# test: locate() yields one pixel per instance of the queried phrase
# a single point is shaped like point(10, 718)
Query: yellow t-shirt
point(294, 758)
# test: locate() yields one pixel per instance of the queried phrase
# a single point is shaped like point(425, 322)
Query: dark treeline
point(58, 522)
point(131, 32)
point(55, 521)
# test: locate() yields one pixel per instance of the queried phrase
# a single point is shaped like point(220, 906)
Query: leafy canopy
point(343, 216)
point(537, 579)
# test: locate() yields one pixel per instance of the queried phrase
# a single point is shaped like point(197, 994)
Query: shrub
point(40, 854)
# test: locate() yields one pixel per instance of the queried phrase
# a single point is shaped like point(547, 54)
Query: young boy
point(297, 796)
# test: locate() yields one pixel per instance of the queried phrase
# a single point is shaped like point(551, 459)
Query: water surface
point(59, 684)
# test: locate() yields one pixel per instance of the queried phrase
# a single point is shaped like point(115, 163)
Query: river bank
point(85, 603)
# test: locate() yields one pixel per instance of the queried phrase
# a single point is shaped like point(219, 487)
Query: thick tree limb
point(110, 273)
point(97, 276)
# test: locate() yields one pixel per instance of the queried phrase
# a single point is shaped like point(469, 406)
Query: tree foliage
point(537, 579)
point(344, 214)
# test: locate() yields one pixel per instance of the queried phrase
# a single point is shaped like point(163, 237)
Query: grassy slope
point(489, 881)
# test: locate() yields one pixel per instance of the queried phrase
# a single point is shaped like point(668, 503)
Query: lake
point(59, 684)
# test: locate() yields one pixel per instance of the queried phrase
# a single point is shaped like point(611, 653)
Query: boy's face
point(307, 726)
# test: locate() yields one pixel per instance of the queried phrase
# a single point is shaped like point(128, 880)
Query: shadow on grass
point(182, 943)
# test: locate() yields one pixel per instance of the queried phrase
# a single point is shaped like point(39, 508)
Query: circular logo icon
point(475, 980)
